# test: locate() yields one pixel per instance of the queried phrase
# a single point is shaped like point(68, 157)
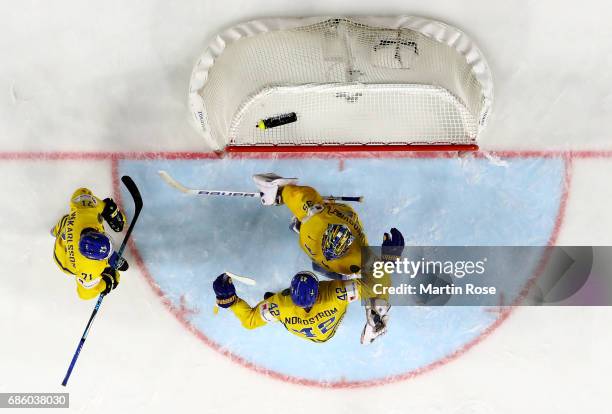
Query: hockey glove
point(392, 245)
point(224, 291)
point(118, 263)
point(112, 215)
point(270, 187)
point(111, 278)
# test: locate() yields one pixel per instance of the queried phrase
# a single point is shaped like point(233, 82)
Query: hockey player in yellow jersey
point(330, 233)
point(83, 249)
point(309, 309)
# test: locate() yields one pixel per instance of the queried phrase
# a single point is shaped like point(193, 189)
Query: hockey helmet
point(95, 245)
point(304, 289)
point(336, 241)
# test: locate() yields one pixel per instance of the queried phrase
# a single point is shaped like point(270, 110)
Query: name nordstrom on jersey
point(295, 320)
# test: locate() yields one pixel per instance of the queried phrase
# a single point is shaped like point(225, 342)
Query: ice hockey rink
point(91, 91)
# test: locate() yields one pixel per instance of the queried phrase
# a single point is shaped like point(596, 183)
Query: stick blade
point(173, 183)
point(133, 189)
point(242, 279)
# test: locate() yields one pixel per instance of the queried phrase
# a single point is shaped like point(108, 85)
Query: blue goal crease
point(186, 241)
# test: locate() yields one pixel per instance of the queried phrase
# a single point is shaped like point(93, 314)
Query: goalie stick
point(173, 183)
point(131, 187)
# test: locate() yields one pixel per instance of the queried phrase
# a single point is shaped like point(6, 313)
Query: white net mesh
point(348, 83)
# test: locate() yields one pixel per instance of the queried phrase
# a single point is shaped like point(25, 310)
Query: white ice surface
point(112, 76)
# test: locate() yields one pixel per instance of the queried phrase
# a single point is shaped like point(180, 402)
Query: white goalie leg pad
point(269, 184)
point(377, 318)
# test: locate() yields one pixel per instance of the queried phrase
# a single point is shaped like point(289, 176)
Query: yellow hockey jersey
point(315, 215)
point(319, 324)
point(85, 212)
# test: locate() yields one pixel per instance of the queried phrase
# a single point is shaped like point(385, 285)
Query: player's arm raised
point(250, 318)
point(377, 307)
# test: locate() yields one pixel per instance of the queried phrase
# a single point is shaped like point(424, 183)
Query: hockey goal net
point(335, 83)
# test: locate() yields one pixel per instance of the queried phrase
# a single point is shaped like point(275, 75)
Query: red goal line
point(349, 148)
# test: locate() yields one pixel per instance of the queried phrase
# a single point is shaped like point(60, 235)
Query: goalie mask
point(336, 241)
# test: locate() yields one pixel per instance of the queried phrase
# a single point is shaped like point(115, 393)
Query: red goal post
point(341, 84)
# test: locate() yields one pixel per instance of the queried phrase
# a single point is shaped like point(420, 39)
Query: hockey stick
point(173, 183)
point(133, 190)
point(131, 187)
point(246, 280)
